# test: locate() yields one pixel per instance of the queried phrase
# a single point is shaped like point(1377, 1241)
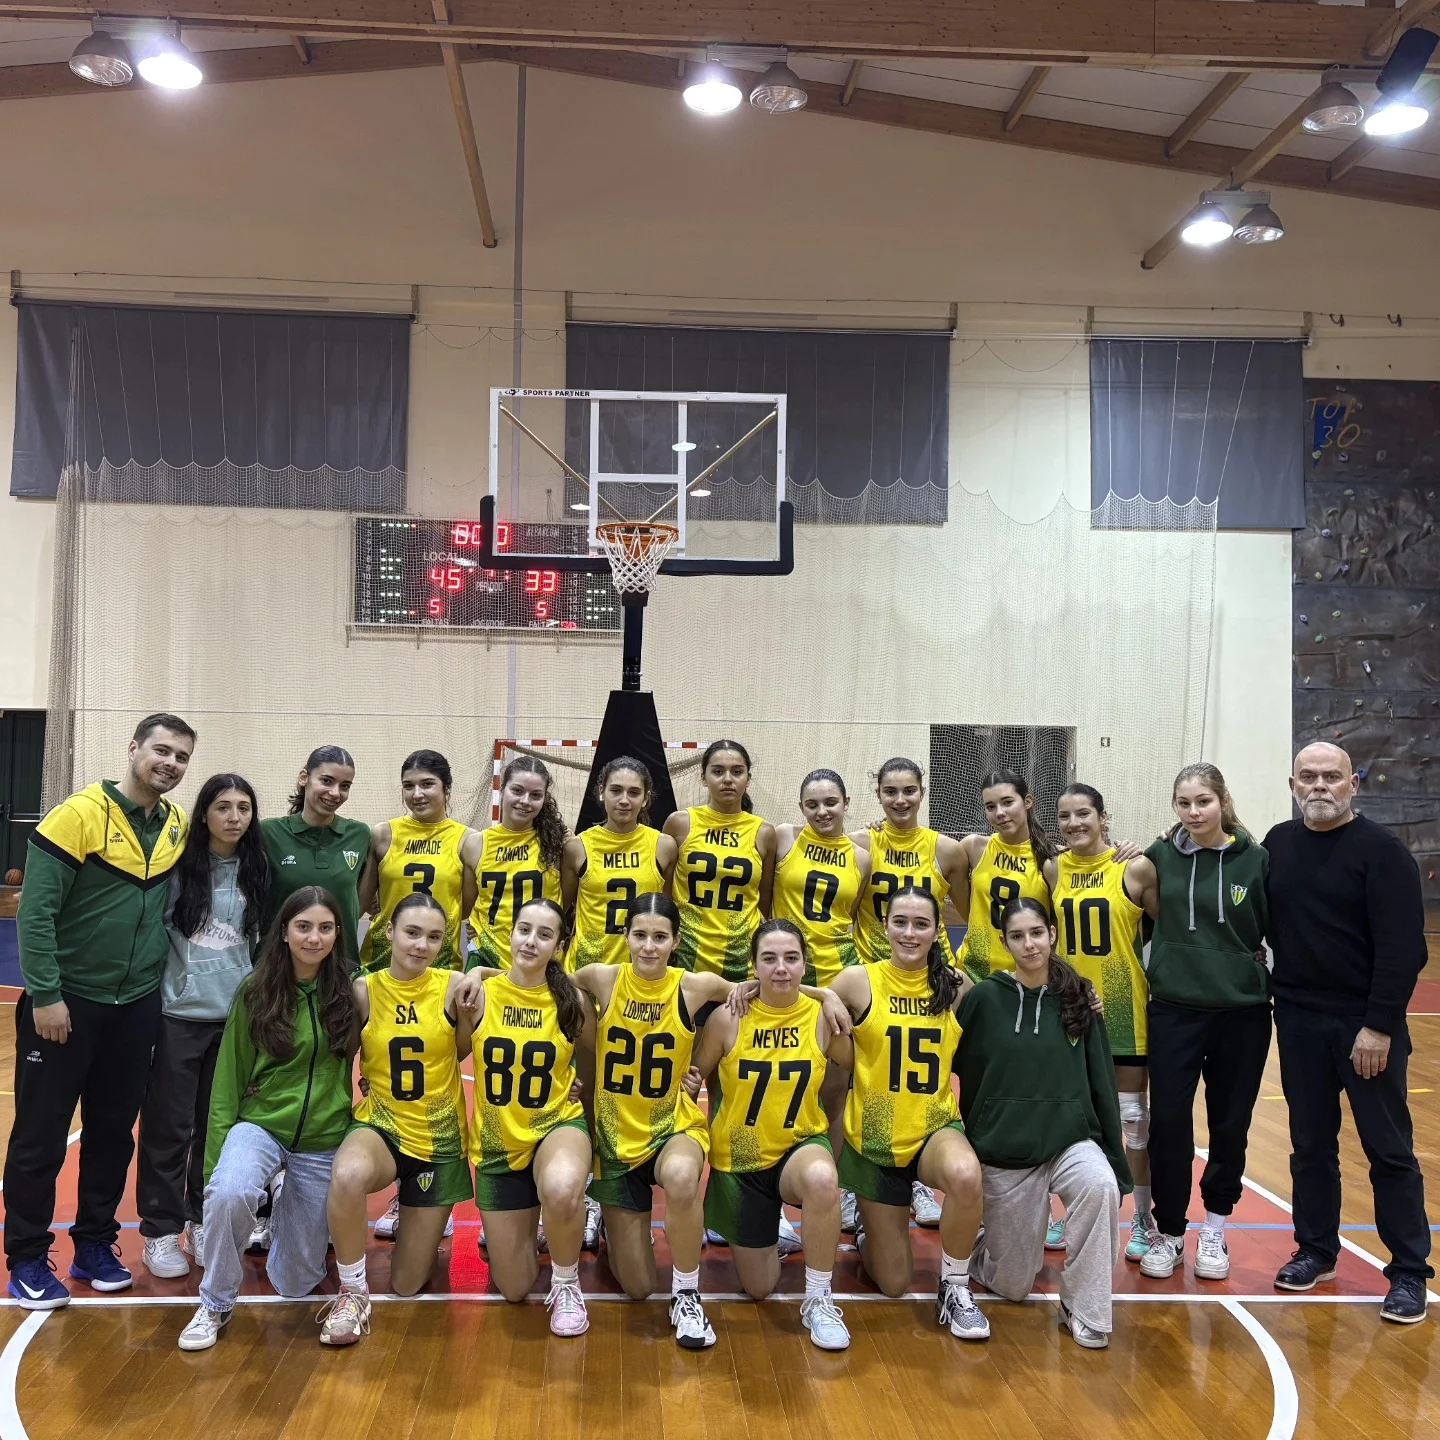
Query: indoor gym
point(1070, 493)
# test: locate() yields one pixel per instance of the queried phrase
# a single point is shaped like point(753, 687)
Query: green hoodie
point(1212, 921)
point(1027, 1090)
point(303, 1102)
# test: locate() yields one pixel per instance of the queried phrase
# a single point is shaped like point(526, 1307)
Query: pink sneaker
point(567, 1309)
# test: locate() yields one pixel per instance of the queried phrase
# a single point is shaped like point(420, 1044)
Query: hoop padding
point(636, 549)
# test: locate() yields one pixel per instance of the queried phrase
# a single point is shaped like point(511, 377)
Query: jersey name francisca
point(618, 869)
point(420, 858)
point(717, 887)
point(510, 875)
point(898, 856)
point(816, 886)
point(1004, 873)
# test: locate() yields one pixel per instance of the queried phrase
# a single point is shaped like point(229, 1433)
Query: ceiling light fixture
point(166, 62)
point(1335, 109)
point(103, 60)
point(1400, 110)
point(779, 91)
point(1209, 225)
point(711, 89)
point(1261, 226)
point(1396, 115)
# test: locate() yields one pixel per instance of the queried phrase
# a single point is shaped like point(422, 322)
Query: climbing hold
point(1344, 455)
point(1362, 773)
point(1304, 619)
point(1366, 666)
point(1334, 614)
point(1344, 569)
point(1319, 639)
point(1326, 532)
point(1318, 575)
point(1349, 492)
point(1382, 778)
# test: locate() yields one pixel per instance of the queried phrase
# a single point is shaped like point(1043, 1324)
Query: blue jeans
point(249, 1161)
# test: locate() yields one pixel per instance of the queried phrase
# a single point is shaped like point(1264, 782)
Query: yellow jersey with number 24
point(898, 856)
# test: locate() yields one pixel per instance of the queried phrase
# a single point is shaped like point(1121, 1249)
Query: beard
point(1324, 807)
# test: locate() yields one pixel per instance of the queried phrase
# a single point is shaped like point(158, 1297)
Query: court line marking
point(1282, 1379)
point(12, 1427)
point(70, 1139)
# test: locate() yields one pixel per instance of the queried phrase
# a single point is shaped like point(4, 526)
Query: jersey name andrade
point(524, 1017)
point(424, 847)
point(723, 835)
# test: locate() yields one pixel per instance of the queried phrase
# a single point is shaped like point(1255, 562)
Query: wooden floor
point(1187, 1359)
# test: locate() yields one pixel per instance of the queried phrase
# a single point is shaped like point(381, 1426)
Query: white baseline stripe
point(12, 1427)
point(1282, 1378)
point(70, 1139)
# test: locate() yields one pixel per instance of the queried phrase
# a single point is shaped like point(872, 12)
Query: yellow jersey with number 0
point(816, 887)
point(510, 875)
point(420, 858)
point(618, 869)
point(898, 857)
point(1004, 873)
point(717, 887)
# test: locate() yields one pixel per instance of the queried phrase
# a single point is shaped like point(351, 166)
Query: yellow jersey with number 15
point(898, 856)
point(816, 886)
point(420, 857)
point(717, 887)
point(510, 875)
point(1005, 872)
point(408, 1062)
point(618, 870)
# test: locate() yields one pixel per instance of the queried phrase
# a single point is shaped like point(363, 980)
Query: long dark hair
point(713, 749)
point(569, 1007)
point(816, 776)
point(272, 996)
point(783, 927)
point(321, 755)
point(416, 900)
point(944, 982)
point(637, 768)
point(192, 901)
point(1040, 842)
point(549, 824)
point(1063, 980)
point(656, 902)
point(429, 762)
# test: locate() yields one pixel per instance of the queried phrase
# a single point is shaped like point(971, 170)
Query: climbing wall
point(1367, 599)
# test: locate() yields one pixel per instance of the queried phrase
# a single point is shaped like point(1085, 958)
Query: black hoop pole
point(632, 607)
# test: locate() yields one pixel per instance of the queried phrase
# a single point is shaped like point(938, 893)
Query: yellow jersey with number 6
point(510, 875)
point(420, 858)
point(816, 887)
point(1005, 872)
point(898, 856)
point(618, 870)
point(717, 887)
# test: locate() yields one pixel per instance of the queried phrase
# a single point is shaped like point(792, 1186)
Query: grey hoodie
point(203, 970)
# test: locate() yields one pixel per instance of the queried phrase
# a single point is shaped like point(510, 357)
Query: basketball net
point(636, 549)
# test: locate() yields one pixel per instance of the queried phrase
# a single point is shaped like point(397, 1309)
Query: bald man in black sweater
point(1347, 925)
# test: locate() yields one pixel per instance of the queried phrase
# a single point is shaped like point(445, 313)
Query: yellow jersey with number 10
point(408, 1061)
point(420, 858)
point(618, 869)
point(1005, 872)
point(898, 856)
point(816, 886)
point(717, 887)
point(510, 875)
point(769, 1088)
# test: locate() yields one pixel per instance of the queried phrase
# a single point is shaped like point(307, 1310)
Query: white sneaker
point(924, 1206)
point(591, 1240)
point(449, 1229)
point(849, 1212)
point(714, 1237)
point(204, 1328)
point(790, 1242)
point(261, 1235)
point(389, 1222)
point(195, 1242)
point(1164, 1254)
point(820, 1315)
point(955, 1306)
point(566, 1303)
point(687, 1316)
point(1212, 1255)
point(345, 1319)
point(1081, 1333)
point(164, 1258)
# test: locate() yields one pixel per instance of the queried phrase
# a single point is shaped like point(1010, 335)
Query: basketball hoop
point(636, 550)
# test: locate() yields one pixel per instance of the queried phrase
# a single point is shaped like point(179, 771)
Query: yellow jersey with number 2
point(420, 858)
point(717, 887)
point(618, 870)
point(510, 875)
point(1005, 872)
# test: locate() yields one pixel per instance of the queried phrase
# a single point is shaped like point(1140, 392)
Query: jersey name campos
point(510, 875)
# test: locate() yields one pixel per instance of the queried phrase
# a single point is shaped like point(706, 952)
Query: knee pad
point(1135, 1120)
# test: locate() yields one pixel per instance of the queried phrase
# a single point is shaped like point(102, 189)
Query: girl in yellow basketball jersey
point(768, 1145)
point(421, 852)
point(519, 861)
point(1098, 913)
point(411, 1123)
point(725, 868)
point(528, 1139)
point(607, 867)
point(902, 1124)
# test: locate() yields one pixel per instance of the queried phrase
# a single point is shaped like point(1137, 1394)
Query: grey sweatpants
point(249, 1161)
point(1017, 1211)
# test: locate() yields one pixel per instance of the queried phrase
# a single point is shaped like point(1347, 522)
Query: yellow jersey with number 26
point(618, 870)
point(1004, 873)
point(510, 875)
point(420, 858)
point(717, 887)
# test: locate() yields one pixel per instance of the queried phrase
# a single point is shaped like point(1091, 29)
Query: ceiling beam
point(301, 48)
point(851, 81)
point(1380, 44)
point(1027, 92)
point(1186, 130)
point(465, 123)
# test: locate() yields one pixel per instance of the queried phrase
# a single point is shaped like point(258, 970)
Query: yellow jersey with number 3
point(408, 1062)
point(642, 1053)
point(420, 857)
point(717, 887)
point(816, 886)
point(510, 875)
point(1097, 927)
point(524, 1070)
point(769, 1088)
point(903, 1061)
point(1005, 872)
point(618, 869)
point(897, 856)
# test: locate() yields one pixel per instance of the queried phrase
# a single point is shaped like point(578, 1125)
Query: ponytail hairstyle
point(783, 927)
point(1208, 775)
point(833, 776)
point(321, 755)
point(192, 901)
point(569, 1007)
point(429, 762)
point(1090, 793)
point(1062, 980)
point(549, 826)
point(418, 900)
point(714, 748)
point(657, 902)
point(1040, 842)
point(637, 768)
point(944, 982)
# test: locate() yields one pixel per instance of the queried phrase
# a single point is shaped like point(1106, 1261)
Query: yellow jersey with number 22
point(717, 887)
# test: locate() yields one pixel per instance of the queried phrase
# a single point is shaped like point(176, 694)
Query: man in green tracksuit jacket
point(92, 949)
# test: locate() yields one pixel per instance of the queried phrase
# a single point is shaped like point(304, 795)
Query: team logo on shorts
point(425, 1179)
point(352, 858)
point(1237, 894)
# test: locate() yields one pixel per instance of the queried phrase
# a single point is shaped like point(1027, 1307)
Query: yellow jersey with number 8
point(510, 875)
point(816, 887)
point(717, 887)
point(420, 858)
point(1005, 872)
point(769, 1088)
point(524, 1070)
point(408, 1062)
point(618, 869)
point(898, 856)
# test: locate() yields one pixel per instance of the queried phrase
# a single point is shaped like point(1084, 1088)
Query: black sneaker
point(1405, 1302)
point(1304, 1270)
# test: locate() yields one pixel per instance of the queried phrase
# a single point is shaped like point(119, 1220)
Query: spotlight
point(1209, 225)
point(166, 62)
point(1400, 111)
point(579, 505)
point(1396, 115)
point(683, 447)
point(1261, 226)
point(103, 60)
point(711, 89)
point(1335, 109)
point(779, 91)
